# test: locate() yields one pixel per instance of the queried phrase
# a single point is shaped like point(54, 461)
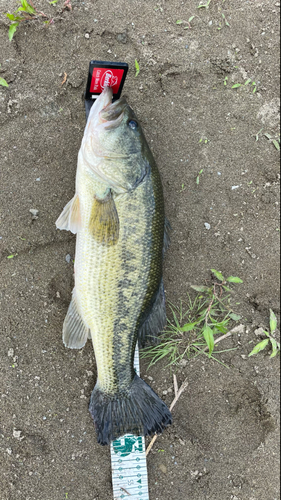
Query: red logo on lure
point(103, 77)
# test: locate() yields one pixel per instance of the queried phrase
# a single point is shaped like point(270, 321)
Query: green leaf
point(26, 7)
point(255, 89)
point(188, 327)
point(191, 19)
point(3, 82)
point(235, 317)
point(12, 256)
point(200, 288)
point(234, 279)
point(275, 348)
point(53, 2)
point(179, 21)
point(273, 321)
point(236, 85)
point(276, 144)
point(209, 337)
point(12, 30)
point(137, 66)
point(259, 347)
point(218, 275)
point(268, 136)
point(10, 16)
point(248, 81)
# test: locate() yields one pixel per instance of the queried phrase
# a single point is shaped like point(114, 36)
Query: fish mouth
point(111, 115)
point(104, 114)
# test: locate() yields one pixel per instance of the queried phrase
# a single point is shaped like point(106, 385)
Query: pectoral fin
point(70, 218)
point(104, 221)
point(75, 332)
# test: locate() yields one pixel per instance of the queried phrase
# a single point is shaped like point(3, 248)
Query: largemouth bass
point(118, 216)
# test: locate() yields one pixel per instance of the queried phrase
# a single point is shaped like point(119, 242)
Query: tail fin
point(138, 411)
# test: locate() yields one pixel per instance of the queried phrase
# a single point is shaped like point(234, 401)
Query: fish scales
point(118, 215)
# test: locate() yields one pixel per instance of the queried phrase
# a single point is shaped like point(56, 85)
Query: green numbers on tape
point(125, 446)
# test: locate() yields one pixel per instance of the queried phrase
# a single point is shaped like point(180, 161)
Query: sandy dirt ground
point(223, 444)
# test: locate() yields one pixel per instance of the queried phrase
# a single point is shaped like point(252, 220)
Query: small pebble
point(16, 434)
point(68, 258)
point(207, 226)
point(87, 35)
point(34, 212)
point(183, 362)
point(235, 187)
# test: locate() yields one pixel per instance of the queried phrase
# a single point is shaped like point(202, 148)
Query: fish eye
point(133, 124)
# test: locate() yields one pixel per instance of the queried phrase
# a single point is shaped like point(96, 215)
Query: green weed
point(180, 21)
point(238, 85)
point(275, 141)
point(258, 134)
point(198, 176)
point(3, 82)
point(137, 66)
point(12, 256)
point(225, 22)
point(196, 323)
point(26, 12)
point(205, 6)
point(270, 340)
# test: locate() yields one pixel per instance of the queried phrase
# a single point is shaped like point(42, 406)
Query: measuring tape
point(128, 462)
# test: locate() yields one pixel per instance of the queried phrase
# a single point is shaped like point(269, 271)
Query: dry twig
point(178, 393)
point(64, 78)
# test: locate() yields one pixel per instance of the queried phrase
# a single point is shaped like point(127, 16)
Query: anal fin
point(155, 319)
point(75, 332)
point(70, 218)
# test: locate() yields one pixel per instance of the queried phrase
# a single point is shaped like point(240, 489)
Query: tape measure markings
point(128, 460)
